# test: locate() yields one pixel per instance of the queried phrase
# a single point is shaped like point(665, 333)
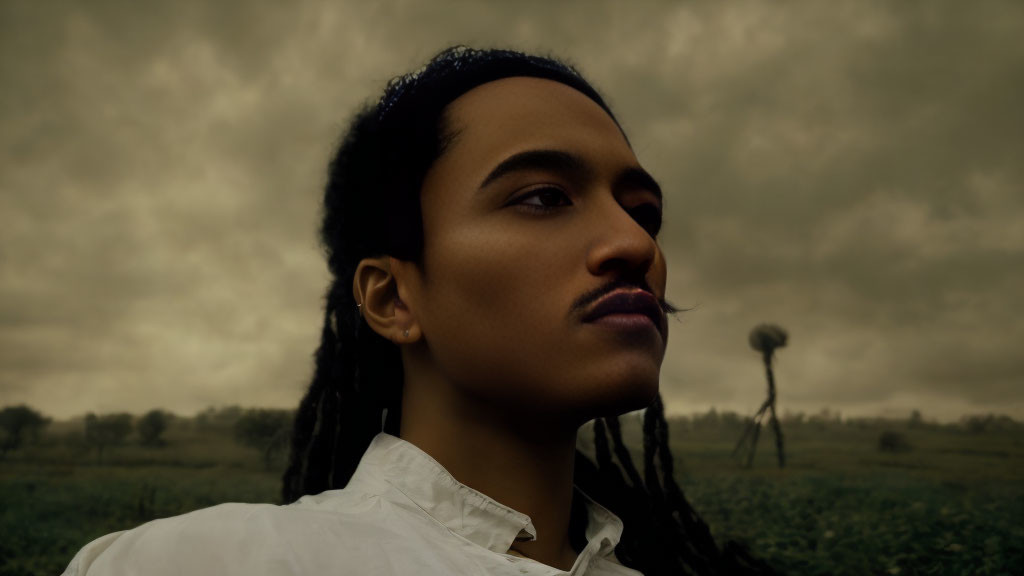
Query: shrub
point(891, 441)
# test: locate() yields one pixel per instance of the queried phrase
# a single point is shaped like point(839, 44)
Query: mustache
point(592, 296)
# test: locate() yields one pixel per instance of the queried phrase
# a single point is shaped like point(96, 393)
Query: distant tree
point(892, 441)
point(106, 430)
point(202, 419)
point(706, 420)
point(683, 422)
point(228, 415)
point(825, 418)
point(984, 423)
point(730, 420)
point(916, 420)
point(151, 427)
point(218, 418)
point(1005, 423)
point(764, 338)
point(17, 423)
point(264, 430)
point(977, 424)
point(854, 422)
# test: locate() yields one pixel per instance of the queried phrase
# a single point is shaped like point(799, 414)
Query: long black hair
point(371, 207)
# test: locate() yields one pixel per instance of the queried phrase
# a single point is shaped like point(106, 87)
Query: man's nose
point(620, 243)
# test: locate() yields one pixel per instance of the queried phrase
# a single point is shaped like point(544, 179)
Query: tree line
point(265, 430)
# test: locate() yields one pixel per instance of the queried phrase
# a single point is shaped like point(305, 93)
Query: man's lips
point(624, 301)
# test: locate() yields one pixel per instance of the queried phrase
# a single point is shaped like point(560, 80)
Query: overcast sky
point(849, 170)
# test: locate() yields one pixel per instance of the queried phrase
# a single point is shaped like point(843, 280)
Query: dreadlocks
point(357, 385)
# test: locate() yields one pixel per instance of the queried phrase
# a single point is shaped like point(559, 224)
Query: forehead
point(503, 117)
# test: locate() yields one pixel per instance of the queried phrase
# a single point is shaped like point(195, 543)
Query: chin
point(639, 397)
point(619, 397)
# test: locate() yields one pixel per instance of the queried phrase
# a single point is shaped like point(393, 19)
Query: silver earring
point(405, 333)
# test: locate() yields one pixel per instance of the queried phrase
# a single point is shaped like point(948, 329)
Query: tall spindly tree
point(764, 338)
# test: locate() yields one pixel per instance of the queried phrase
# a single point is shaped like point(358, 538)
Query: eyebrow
point(561, 161)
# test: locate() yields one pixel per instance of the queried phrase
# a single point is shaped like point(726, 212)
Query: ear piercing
point(405, 333)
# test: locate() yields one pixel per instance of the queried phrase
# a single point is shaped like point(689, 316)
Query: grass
point(49, 512)
point(882, 522)
point(951, 504)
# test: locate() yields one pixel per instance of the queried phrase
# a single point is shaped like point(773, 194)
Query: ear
point(376, 288)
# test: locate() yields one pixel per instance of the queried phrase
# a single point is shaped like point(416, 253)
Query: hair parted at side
point(371, 207)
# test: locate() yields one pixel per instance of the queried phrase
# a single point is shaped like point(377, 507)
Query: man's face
point(515, 253)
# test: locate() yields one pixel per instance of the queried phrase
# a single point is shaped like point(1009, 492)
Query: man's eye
point(648, 216)
point(544, 199)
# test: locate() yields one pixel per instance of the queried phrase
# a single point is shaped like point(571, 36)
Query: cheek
point(497, 311)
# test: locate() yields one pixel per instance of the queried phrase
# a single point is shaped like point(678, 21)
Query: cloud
point(849, 170)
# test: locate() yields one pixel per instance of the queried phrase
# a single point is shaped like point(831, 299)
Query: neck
point(526, 469)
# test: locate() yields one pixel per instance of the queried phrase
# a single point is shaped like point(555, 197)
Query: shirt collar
point(463, 510)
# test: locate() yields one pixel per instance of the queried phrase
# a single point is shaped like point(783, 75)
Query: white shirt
point(401, 513)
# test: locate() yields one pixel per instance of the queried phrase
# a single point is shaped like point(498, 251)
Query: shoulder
point(311, 536)
point(188, 540)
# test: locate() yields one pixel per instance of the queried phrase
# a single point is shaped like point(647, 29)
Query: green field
point(951, 503)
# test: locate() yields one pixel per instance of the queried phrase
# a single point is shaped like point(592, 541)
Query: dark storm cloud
point(848, 170)
point(845, 169)
point(155, 229)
